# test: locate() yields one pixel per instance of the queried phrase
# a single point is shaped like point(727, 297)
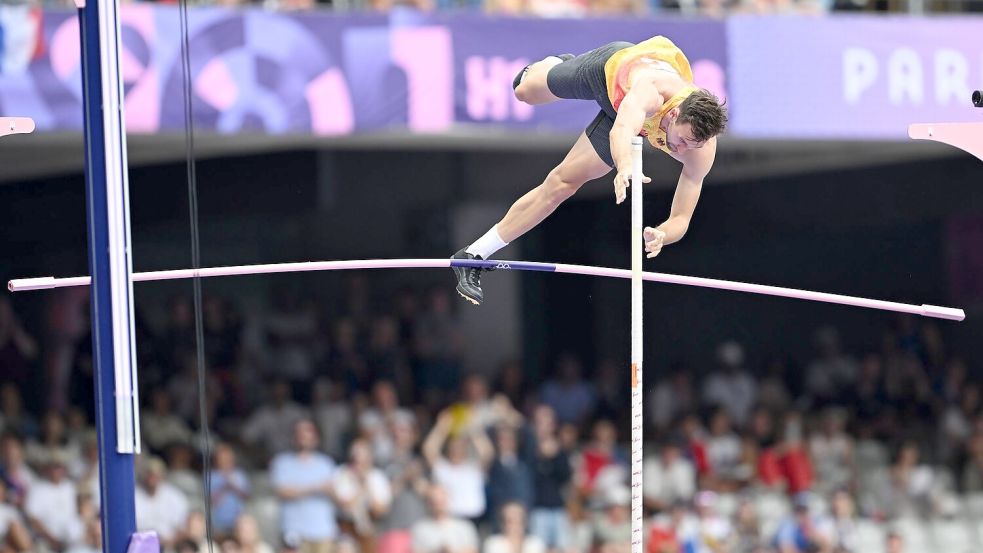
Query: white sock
point(488, 244)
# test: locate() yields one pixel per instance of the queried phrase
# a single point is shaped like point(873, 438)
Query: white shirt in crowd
point(54, 506)
point(374, 490)
point(735, 391)
point(465, 485)
point(668, 483)
point(8, 515)
point(724, 452)
point(500, 544)
point(166, 511)
point(450, 535)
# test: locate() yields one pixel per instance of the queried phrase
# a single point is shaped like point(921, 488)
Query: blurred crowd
point(352, 425)
point(714, 9)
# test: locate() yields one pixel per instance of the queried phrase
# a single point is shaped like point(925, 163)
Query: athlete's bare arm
point(642, 101)
point(696, 164)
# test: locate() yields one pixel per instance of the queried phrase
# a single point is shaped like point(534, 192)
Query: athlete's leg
point(532, 87)
point(580, 165)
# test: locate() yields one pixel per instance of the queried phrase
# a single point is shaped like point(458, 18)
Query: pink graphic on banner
point(426, 56)
point(141, 78)
point(709, 75)
point(330, 103)
point(64, 50)
point(216, 85)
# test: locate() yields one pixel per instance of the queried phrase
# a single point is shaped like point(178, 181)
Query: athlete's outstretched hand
point(653, 239)
point(621, 183)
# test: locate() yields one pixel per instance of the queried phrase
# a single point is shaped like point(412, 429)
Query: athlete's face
point(679, 136)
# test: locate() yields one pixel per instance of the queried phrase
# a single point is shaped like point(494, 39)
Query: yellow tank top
point(618, 69)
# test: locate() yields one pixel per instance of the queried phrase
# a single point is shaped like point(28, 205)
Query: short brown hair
point(704, 112)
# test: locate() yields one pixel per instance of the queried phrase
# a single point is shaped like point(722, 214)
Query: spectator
point(804, 532)
point(513, 537)
point(747, 528)
point(264, 429)
point(611, 529)
point(181, 472)
point(438, 345)
point(572, 398)
point(723, 452)
point(909, 488)
point(443, 533)
point(161, 426)
point(187, 546)
point(195, 531)
point(668, 528)
point(833, 372)
point(831, 450)
point(409, 488)
point(476, 409)
point(846, 533)
point(598, 457)
point(510, 479)
point(51, 507)
point(512, 383)
point(291, 332)
point(18, 351)
point(363, 495)
point(694, 436)
point(13, 470)
point(386, 357)
point(302, 480)
point(671, 398)
point(345, 357)
point(13, 418)
point(731, 387)
point(229, 489)
point(178, 340)
point(710, 532)
point(52, 441)
point(462, 472)
point(957, 421)
point(159, 505)
point(971, 479)
point(793, 459)
point(91, 529)
point(84, 470)
point(894, 543)
point(613, 397)
point(773, 388)
point(374, 422)
point(668, 478)
point(223, 329)
point(333, 415)
point(14, 535)
point(551, 472)
point(247, 537)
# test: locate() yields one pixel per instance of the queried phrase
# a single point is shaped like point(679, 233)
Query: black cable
point(189, 134)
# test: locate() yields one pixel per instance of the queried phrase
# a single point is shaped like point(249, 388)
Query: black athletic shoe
point(468, 279)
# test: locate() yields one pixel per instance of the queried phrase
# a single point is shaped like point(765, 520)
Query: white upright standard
point(637, 428)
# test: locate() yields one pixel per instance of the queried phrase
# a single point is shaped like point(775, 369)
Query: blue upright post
point(107, 201)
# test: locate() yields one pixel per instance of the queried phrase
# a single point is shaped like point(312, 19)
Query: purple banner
point(851, 77)
point(321, 73)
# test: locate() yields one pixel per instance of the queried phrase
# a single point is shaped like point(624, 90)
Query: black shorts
point(583, 78)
